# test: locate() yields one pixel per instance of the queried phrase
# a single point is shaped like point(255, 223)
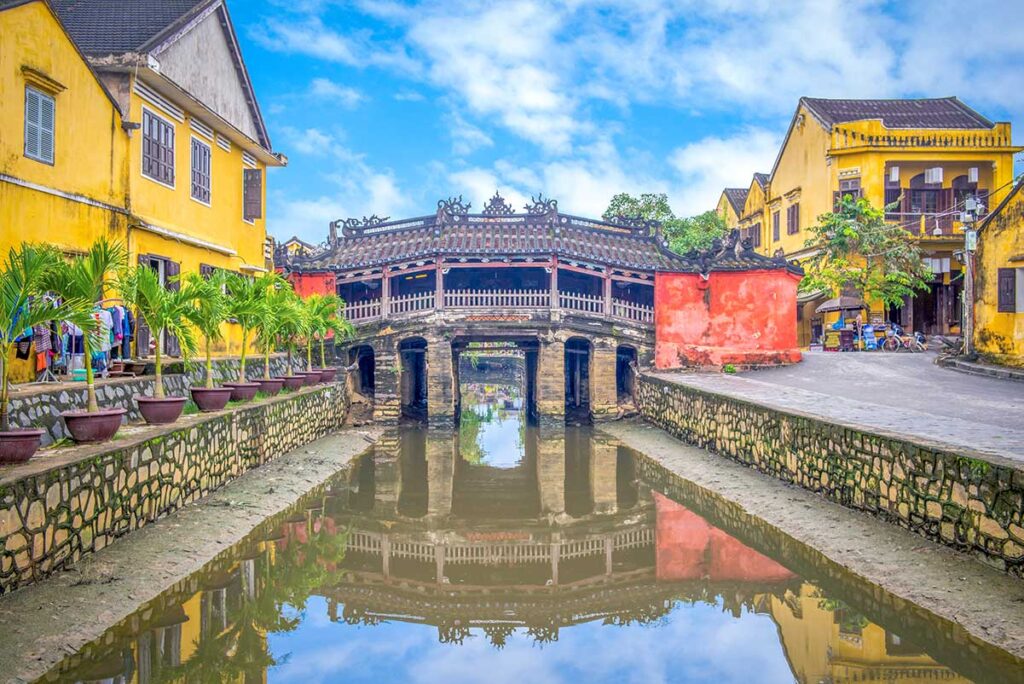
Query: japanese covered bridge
point(582, 300)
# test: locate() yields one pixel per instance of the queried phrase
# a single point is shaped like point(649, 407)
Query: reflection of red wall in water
point(744, 317)
point(687, 547)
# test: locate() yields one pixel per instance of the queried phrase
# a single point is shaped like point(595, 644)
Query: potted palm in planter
point(326, 318)
point(307, 327)
point(21, 287)
point(247, 303)
point(208, 312)
point(272, 323)
point(166, 312)
point(289, 313)
point(81, 282)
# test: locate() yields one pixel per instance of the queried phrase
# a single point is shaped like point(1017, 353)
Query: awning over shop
point(844, 303)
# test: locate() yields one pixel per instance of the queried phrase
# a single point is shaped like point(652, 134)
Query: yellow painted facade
point(817, 161)
point(95, 185)
point(726, 211)
point(999, 282)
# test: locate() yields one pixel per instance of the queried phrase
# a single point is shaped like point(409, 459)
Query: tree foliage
point(857, 249)
point(684, 234)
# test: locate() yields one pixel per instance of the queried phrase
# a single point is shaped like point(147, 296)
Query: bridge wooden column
point(551, 380)
point(387, 404)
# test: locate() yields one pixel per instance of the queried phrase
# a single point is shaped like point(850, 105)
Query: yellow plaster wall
point(89, 145)
point(1000, 335)
point(725, 210)
point(754, 209)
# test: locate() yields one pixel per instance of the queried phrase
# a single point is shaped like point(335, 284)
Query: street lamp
point(969, 217)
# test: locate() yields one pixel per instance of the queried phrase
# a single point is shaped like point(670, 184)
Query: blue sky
point(384, 107)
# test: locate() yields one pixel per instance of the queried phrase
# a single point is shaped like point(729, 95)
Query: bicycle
point(895, 340)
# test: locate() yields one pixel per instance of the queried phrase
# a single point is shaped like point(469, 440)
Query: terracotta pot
point(311, 377)
point(136, 367)
point(160, 411)
point(328, 374)
point(211, 398)
point(321, 374)
point(87, 428)
point(270, 387)
point(293, 382)
point(17, 446)
point(242, 391)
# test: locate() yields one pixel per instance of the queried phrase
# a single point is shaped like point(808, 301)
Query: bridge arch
point(626, 358)
point(578, 360)
point(413, 387)
point(364, 375)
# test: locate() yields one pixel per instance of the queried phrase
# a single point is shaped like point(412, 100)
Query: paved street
point(903, 393)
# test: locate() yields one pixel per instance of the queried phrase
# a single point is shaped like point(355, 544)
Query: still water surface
point(508, 553)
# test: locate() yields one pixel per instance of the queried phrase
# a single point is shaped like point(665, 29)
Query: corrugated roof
point(737, 198)
point(945, 112)
point(114, 27)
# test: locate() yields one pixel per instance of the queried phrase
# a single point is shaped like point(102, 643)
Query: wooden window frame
point(161, 125)
point(776, 225)
point(1006, 299)
point(245, 214)
point(41, 96)
point(793, 219)
point(207, 175)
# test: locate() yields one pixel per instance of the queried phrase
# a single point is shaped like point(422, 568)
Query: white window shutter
point(31, 123)
point(46, 128)
point(39, 124)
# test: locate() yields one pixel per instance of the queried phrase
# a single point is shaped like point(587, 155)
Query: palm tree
point(208, 312)
point(82, 282)
point(22, 280)
point(275, 319)
point(165, 311)
point(247, 303)
point(290, 312)
point(326, 317)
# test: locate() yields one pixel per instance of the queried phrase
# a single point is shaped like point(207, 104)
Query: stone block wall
point(60, 506)
point(966, 500)
point(40, 406)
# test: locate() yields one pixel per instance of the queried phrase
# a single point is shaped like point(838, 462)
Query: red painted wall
point(306, 284)
point(743, 317)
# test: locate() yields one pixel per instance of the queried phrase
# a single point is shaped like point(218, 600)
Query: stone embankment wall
point(40, 406)
point(969, 501)
point(71, 502)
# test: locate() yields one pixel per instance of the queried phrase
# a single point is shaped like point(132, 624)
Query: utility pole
point(972, 209)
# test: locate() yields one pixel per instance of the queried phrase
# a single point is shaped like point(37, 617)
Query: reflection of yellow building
point(999, 282)
point(136, 122)
point(923, 156)
point(825, 641)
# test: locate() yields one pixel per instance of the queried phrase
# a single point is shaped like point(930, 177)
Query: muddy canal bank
point(45, 623)
point(987, 604)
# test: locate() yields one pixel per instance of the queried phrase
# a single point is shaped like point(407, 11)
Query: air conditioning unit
point(933, 175)
point(972, 174)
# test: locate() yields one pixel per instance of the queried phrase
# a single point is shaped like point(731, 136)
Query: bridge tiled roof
point(625, 243)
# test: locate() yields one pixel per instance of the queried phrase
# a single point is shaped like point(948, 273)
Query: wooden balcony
point(593, 306)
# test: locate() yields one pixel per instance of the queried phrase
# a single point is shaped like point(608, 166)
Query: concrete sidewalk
point(906, 394)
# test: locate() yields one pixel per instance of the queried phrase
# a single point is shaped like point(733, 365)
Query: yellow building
point(731, 204)
point(135, 121)
point(999, 282)
point(923, 155)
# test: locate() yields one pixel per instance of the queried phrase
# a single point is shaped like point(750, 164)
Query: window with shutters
point(1007, 290)
point(200, 171)
point(793, 219)
point(776, 223)
point(755, 235)
point(40, 111)
point(157, 148)
point(252, 189)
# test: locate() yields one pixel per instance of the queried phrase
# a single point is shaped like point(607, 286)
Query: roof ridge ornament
point(540, 207)
point(498, 206)
point(452, 210)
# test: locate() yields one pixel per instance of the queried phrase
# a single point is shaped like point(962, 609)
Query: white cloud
point(708, 165)
point(327, 89)
point(466, 138)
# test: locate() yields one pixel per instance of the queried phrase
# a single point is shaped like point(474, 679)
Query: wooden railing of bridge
point(595, 306)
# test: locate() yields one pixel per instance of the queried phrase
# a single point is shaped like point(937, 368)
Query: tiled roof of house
point(114, 27)
point(631, 244)
point(945, 112)
point(762, 179)
point(737, 198)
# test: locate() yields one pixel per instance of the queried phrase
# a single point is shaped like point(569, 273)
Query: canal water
point(503, 552)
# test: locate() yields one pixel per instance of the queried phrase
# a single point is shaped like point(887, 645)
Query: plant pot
point(311, 377)
point(211, 398)
point(17, 446)
point(321, 374)
point(270, 387)
point(160, 411)
point(293, 382)
point(242, 391)
point(88, 428)
point(136, 367)
point(328, 374)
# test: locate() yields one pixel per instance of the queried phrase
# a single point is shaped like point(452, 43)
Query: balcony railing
point(501, 300)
